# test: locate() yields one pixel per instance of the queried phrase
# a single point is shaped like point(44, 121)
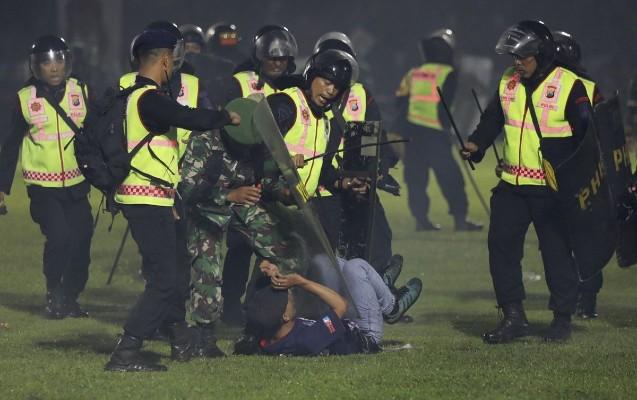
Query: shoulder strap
point(76, 129)
point(338, 112)
point(529, 104)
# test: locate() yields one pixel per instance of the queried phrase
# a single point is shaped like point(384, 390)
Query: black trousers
point(513, 209)
point(236, 268)
point(432, 150)
point(154, 230)
point(64, 216)
point(329, 210)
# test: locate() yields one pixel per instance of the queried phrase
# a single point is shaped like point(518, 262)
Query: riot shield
point(359, 211)
point(586, 206)
point(319, 262)
point(612, 141)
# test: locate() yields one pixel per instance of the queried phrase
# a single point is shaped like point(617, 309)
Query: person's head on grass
point(270, 310)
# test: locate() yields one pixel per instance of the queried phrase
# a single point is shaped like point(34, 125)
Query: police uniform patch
point(75, 100)
point(550, 91)
point(354, 105)
point(511, 84)
point(36, 107)
point(305, 114)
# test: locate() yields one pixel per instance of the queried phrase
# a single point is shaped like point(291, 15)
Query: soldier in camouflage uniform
point(220, 190)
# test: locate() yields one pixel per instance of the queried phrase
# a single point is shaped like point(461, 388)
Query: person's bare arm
point(334, 300)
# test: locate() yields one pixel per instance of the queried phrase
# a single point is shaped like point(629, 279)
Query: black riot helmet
point(274, 41)
point(529, 38)
point(568, 50)
point(336, 41)
point(337, 66)
point(193, 34)
point(222, 35)
point(179, 51)
point(49, 48)
point(438, 47)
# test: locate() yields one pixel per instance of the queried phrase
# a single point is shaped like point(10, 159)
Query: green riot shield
point(320, 263)
point(587, 207)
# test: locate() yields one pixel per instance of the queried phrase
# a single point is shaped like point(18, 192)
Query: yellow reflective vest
point(48, 153)
point(522, 156)
point(248, 81)
point(308, 136)
point(159, 158)
point(420, 85)
point(187, 96)
point(354, 110)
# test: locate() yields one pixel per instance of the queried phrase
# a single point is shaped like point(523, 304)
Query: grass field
point(42, 359)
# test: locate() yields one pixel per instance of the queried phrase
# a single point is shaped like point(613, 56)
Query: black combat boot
point(560, 328)
point(208, 342)
point(54, 308)
point(513, 325)
point(463, 224)
point(182, 345)
point(126, 357)
point(73, 309)
point(587, 306)
point(427, 225)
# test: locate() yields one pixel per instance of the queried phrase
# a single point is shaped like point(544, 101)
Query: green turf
point(42, 359)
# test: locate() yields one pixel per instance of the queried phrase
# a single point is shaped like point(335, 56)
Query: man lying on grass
point(272, 313)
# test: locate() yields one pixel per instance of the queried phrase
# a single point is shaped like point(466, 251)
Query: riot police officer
point(146, 198)
point(522, 196)
point(223, 40)
point(57, 189)
point(423, 122)
point(569, 54)
point(273, 51)
point(357, 104)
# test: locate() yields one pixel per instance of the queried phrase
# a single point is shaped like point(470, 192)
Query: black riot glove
point(389, 184)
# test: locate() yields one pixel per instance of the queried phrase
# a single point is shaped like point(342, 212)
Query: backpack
point(100, 147)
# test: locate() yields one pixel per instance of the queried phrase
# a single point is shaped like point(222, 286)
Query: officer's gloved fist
point(356, 185)
point(389, 184)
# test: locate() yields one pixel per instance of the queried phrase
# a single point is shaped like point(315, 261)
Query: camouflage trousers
point(205, 239)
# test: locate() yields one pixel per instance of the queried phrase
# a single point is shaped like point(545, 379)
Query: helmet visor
point(518, 42)
point(276, 43)
point(179, 52)
point(51, 66)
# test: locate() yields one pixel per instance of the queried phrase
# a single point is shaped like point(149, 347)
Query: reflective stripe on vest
point(248, 80)
point(423, 96)
point(522, 158)
point(137, 189)
point(308, 136)
point(44, 159)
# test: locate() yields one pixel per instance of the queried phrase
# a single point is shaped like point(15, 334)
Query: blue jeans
point(372, 297)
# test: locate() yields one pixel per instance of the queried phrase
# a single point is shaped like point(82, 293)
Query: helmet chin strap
point(170, 91)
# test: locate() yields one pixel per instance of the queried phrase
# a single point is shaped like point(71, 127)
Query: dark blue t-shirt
point(329, 334)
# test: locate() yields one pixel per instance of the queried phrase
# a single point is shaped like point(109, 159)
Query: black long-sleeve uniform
point(514, 207)
point(431, 149)
point(154, 227)
point(63, 214)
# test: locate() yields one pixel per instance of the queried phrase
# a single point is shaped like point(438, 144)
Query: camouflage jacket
point(208, 174)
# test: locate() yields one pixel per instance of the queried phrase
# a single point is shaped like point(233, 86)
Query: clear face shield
point(518, 42)
point(52, 67)
point(179, 53)
point(275, 44)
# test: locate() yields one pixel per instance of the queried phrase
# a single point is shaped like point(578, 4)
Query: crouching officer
point(55, 185)
point(147, 196)
point(560, 103)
